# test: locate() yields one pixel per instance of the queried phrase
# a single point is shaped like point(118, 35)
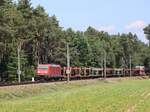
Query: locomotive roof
point(52, 65)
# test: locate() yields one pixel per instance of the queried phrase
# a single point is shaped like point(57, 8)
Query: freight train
point(53, 71)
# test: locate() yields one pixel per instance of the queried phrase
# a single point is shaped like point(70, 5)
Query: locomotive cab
point(47, 71)
point(42, 70)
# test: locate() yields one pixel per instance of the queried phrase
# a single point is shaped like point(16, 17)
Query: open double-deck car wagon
point(53, 71)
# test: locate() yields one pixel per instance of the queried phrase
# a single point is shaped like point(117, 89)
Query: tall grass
point(86, 96)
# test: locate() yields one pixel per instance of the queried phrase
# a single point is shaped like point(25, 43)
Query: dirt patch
point(131, 109)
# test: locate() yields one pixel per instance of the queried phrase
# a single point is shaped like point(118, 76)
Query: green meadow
point(78, 96)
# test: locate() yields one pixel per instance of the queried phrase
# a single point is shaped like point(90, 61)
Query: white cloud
point(137, 28)
point(110, 29)
point(139, 24)
point(141, 36)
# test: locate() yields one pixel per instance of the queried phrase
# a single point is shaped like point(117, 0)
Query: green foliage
point(147, 59)
point(13, 62)
point(147, 32)
point(29, 72)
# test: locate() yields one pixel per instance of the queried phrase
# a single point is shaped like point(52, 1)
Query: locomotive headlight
point(39, 72)
point(45, 72)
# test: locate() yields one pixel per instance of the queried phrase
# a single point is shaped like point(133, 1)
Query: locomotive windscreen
point(42, 67)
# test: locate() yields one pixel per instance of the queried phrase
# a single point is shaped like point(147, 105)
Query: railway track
point(54, 81)
point(5, 84)
point(15, 83)
point(25, 83)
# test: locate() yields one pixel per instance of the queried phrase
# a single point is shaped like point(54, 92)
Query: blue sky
point(109, 15)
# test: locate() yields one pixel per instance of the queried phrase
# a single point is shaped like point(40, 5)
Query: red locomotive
point(48, 71)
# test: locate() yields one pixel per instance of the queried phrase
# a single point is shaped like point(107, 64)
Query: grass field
point(81, 96)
